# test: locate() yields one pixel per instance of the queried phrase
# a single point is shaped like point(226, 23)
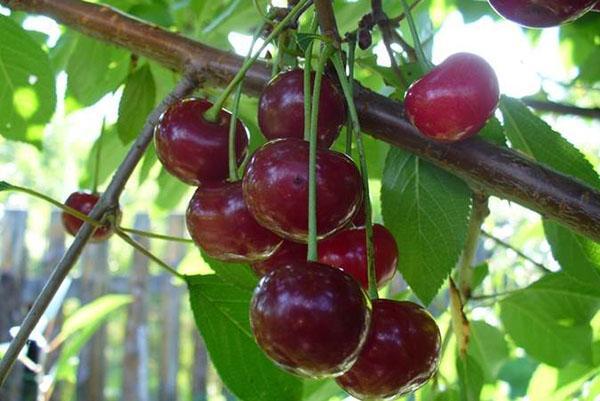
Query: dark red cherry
point(542, 14)
point(288, 252)
point(281, 108)
point(193, 149)
point(401, 352)
point(347, 250)
point(360, 216)
point(84, 202)
point(219, 222)
point(309, 318)
point(455, 99)
point(276, 189)
point(596, 7)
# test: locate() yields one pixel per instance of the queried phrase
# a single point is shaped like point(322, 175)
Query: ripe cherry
point(401, 352)
point(288, 252)
point(455, 99)
point(219, 222)
point(281, 108)
point(84, 202)
point(276, 189)
point(347, 250)
point(542, 14)
point(194, 149)
point(310, 319)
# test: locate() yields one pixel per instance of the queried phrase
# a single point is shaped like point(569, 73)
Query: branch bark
point(108, 201)
point(489, 168)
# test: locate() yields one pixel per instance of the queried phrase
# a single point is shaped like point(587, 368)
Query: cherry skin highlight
point(84, 202)
point(310, 319)
point(542, 14)
point(401, 353)
point(347, 250)
point(281, 108)
point(194, 149)
point(219, 223)
point(288, 252)
point(455, 99)
point(276, 189)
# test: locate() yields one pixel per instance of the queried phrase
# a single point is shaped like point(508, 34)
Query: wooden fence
point(142, 354)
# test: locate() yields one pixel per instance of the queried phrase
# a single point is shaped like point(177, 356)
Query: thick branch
point(327, 21)
point(561, 108)
point(494, 170)
point(108, 201)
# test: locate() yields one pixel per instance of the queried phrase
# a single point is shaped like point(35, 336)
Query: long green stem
point(148, 234)
point(276, 66)
point(312, 160)
point(347, 89)
point(422, 58)
point(60, 205)
point(213, 113)
point(351, 53)
point(307, 71)
point(140, 248)
point(95, 178)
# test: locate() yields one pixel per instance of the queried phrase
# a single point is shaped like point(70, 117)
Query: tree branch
point(561, 108)
point(492, 169)
point(108, 201)
point(327, 21)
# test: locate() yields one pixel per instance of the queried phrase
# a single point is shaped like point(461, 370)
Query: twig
point(516, 250)
point(106, 204)
point(327, 21)
point(561, 108)
point(149, 234)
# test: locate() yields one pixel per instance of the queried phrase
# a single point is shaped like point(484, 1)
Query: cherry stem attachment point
point(140, 248)
point(347, 89)
point(212, 114)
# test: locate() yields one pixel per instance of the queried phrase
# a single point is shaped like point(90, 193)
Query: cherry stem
point(95, 178)
point(60, 205)
point(212, 114)
point(307, 70)
point(276, 66)
point(516, 250)
point(351, 53)
point(347, 89)
point(140, 248)
point(312, 160)
point(421, 57)
point(149, 234)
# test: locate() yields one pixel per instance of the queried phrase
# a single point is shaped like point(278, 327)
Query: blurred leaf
point(517, 372)
point(470, 378)
point(149, 160)
point(550, 319)
point(95, 69)
point(27, 87)
point(488, 347)
point(221, 312)
point(113, 152)
point(170, 191)
point(319, 390)
point(473, 10)
point(157, 13)
point(136, 103)
point(430, 232)
point(5, 186)
point(480, 272)
point(580, 40)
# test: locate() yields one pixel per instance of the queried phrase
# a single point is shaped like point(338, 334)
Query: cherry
point(288, 252)
point(360, 216)
point(281, 108)
point(194, 149)
point(276, 189)
point(347, 250)
point(542, 14)
point(219, 222)
point(84, 202)
point(401, 352)
point(455, 99)
point(310, 319)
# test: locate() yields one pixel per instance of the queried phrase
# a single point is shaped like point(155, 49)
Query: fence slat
point(200, 368)
point(170, 313)
point(135, 362)
point(91, 374)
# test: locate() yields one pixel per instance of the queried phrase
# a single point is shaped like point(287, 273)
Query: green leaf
point(171, 191)
point(493, 132)
point(550, 319)
point(136, 103)
point(470, 378)
point(577, 255)
point(80, 327)
point(427, 211)
point(488, 347)
point(410, 73)
point(221, 313)
point(150, 159)
point(113, 152)
point(27, 86)
point(319, 390)
point(94, 69)
point(517, 372)
point(5, 186)
point(235, 273)
point(304, 39)
point(480, 272)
